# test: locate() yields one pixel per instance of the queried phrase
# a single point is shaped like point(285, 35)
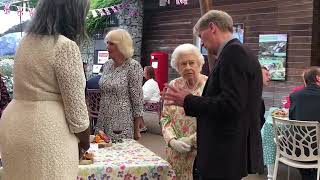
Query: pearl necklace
point(193, 88)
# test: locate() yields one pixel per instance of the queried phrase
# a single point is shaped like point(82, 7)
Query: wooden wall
point(316, 34)
point(165, 28)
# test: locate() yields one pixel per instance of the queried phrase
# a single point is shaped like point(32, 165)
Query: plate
point(86, 162)
point(104, 144)
point(280, 113)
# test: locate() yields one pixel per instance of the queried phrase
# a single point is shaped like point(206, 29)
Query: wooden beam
point(205, 6)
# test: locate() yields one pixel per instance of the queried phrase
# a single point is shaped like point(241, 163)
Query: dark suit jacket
point(93, 83)
point(263, 109)
point(305, 104)
point(228, 116)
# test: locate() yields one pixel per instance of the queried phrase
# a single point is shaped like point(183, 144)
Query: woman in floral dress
point(179, 130)
point(121, 104)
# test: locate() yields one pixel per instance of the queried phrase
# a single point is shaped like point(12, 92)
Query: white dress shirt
point(151, 91)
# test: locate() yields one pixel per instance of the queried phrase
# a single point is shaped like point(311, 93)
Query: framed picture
point(103, 57)
point(273, 54)
point(238, 31)
point(96, 68)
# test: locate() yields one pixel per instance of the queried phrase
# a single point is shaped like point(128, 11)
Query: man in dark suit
point(305, 107)
point(228, 112)
point(306, 102)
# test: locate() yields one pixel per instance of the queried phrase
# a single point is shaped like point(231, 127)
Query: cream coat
point(37, 128)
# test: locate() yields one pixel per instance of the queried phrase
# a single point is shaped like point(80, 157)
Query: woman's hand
point(138, 123)
point(84, 142)
point(81, 151)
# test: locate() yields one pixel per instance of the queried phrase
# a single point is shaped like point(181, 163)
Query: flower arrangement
point(6, 68)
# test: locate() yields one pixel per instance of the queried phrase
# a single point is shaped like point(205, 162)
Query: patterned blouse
point(175, 124)
point(4, 96)
point(121, 98)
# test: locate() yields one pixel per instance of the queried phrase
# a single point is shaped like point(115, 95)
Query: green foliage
point(33, 3)
point(94, 24)
point(6, 69)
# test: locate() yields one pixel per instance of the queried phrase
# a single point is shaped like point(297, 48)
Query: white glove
point(191, 140)
point(187, 140)
point(180, 146)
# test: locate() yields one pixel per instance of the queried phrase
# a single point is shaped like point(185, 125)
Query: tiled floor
point(156, 144)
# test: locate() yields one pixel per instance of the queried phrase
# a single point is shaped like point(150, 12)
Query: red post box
point(159, 61)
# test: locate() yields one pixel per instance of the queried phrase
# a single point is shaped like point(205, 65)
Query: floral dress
point(4, 96)
point(175, 124)
point(121, 98)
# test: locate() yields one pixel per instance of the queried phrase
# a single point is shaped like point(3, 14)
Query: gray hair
point(60, 17)
point(220, 18)
point(123, 41)
point(185, 49)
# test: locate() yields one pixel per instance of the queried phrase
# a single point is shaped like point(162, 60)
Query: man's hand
point(174, 96)
point(180, 146)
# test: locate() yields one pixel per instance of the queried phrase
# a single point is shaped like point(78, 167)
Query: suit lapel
point(217, 64)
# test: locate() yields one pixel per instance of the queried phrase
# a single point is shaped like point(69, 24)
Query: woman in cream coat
point(41, 127)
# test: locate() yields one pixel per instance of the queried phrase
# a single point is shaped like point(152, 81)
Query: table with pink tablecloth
point(128, 160)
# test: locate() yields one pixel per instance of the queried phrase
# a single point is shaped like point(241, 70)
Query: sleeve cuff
point(186, 105)
point(78, 129)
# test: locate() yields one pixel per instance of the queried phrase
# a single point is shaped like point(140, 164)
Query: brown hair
point(150, 72)
point(310, 75)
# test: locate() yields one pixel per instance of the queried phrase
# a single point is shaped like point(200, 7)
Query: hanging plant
point(98, 23)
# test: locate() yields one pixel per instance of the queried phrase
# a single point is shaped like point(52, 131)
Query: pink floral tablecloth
point(126, 161)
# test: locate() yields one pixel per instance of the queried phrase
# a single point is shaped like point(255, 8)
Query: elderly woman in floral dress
point(179, 130)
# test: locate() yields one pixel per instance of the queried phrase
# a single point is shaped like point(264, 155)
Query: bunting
point(20, 10)
point(31, 11)
point(6, 8)
point(95, 12)
point(102, 13)
point(106, 11)
point(113, 9)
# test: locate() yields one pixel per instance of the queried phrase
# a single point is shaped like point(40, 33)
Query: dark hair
point(60, 17)
point(310, 76)
point(150, 72)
